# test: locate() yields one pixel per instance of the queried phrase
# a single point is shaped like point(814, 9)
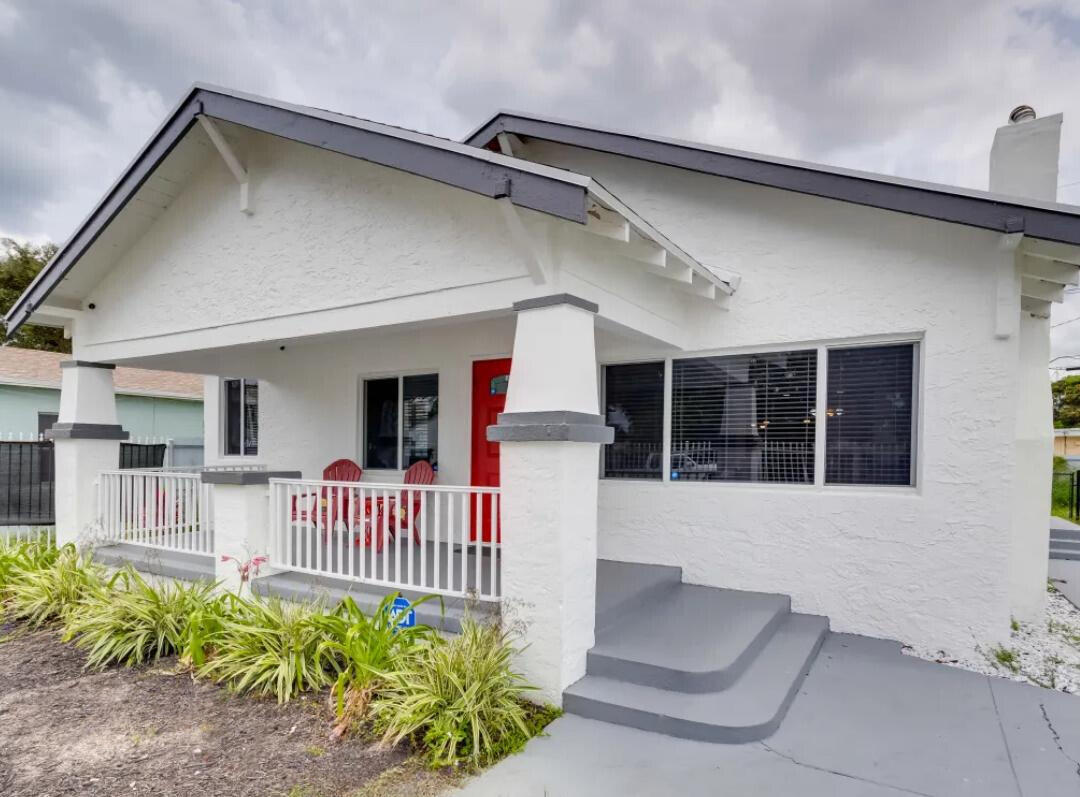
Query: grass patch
point(1006, 657)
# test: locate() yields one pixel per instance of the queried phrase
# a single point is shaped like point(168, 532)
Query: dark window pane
point(421, 420)
point(869, 415)
point(745, 418)
point(232, 417)
point(251, 417)
point(634, 406)
point(381, 423)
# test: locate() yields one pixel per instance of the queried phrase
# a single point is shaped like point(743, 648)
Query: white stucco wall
point(929, 564)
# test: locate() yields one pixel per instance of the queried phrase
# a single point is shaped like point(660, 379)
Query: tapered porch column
point(87, 439)
point(550, 436)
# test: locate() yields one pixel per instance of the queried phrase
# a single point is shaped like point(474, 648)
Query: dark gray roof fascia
point(1047, 220)
point(553, 191)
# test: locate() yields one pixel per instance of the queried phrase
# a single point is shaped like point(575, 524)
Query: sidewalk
point(868, 721)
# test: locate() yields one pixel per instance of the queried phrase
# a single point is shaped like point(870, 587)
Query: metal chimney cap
point(1021, 113)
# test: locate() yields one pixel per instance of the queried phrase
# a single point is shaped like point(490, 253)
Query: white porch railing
point(166, 509)
point(427, 538)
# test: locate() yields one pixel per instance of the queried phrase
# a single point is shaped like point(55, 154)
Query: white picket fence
point(435, 539)
point(169, 510)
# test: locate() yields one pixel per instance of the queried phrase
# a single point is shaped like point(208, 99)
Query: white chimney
point(1024, 158)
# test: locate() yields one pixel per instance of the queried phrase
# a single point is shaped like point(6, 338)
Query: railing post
point(241, 518)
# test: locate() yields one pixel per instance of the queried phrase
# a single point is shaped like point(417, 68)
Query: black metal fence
point(26, 482)
point(1065, 493)
point(27, 477)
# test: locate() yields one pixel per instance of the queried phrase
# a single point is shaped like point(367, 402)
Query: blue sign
point(402, 615)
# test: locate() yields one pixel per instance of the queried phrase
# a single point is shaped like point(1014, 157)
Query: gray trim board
point(564, 195)
point(999, 213)
point(87, 364)
point(246, 477)
point(556, 426)
point(555, 300)
point(86, 431)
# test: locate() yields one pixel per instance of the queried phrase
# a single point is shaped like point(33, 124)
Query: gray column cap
point(246, 477)
point(87, 364)
point(86, 431)
point(556, 299)
point(555, 426)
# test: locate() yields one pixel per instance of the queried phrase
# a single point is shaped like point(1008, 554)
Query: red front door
point(490, 379)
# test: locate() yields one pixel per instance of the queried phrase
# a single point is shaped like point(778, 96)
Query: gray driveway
point(867, 721)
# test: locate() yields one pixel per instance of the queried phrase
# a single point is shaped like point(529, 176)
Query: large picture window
point(241, 432)
point(870, 415)
point(401, 421)
point(744, 418)
point(634, 408)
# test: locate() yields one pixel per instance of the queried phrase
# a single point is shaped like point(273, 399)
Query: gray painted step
point(173, 564)
point(1065, 534)
point(1065, 545)
point(750, 709)
point(623, 587)
point(1058, 553)
point(688, 638)
point(303, 587)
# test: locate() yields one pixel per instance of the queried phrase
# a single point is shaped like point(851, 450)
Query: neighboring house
point(1067, 443)
point(777, 376)
point(149, 404)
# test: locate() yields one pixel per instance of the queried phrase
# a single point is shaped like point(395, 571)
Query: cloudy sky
point(907, 88)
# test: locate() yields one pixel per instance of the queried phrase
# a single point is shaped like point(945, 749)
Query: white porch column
point(550, 438)
point(241, 519)
point(87, 441)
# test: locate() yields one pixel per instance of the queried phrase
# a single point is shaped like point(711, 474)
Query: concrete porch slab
point(158, 562)
point(868, 721)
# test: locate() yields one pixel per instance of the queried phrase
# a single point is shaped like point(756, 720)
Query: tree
point(19, 264)
point(1066, 398)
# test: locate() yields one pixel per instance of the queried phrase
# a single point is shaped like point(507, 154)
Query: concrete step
point(748, 710)
point(1059, 553)
point(158, 562)
point(304, 587)
point(1065, 545)
point(688, 638)
point(1065, 534)
point(622, 587)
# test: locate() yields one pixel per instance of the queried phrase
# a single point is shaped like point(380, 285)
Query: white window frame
point(361, 414)
point(821, 402)
point(223, 431)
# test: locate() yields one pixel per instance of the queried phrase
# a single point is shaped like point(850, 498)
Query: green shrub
point(268, 647)
point(360, 648)
point(130, 621)
point(459, 697)
point(20, 556)
point(44, 590)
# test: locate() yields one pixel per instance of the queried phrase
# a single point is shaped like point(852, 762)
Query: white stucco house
point(805, 387)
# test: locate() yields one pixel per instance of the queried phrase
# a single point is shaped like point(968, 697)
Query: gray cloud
point(908, 88)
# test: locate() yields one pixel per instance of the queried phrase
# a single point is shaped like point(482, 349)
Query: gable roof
point(1050, 221)
point(34, 368)
point(556, 192)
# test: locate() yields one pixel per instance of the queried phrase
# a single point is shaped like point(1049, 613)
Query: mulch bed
point(153, 730)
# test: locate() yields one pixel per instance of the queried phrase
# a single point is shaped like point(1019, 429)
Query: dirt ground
point(152, 730)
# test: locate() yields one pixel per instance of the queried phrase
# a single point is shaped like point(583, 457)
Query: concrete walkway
point(868, 721)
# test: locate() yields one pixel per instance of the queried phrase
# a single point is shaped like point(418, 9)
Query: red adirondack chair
point(398, 514)
point(330, 504)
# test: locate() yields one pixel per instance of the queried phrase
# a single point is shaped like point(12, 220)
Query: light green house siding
point(142, 416)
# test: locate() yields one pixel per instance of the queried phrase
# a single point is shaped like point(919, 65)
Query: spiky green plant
point(130, 621)
point(24, 555)
point(39, 594)
point(268, 647)
point(460, 697)
point(359, 648)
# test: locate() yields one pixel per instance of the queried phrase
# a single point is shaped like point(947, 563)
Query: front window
point(869, 417)
point(401, 421)
point(744, 418)
point(241, 402)
point(634, 408)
